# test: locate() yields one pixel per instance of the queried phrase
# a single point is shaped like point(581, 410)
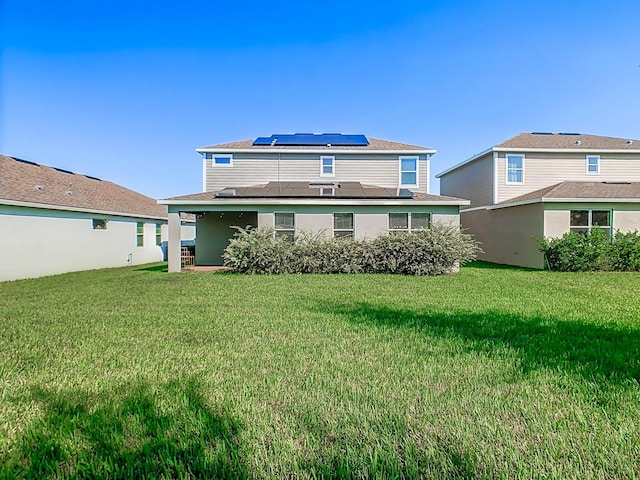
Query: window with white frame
point(409, 171)
point(327, 166)
point(584, 221)
point(224, 160)
point(285, 225)
point(515, 169)
point(408, 222)
point(343, 225)
point(593, 164)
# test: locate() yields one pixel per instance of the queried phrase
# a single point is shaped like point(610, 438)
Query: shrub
point(433, 251)
point(578, 252)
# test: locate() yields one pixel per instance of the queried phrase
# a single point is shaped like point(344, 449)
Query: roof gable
point(29, 182)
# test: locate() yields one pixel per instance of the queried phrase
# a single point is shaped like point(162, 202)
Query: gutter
point(45, 206)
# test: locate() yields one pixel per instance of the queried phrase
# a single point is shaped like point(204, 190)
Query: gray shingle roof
point(582, 190)
point(374, 144)
point(22, 181)
point(569, 141)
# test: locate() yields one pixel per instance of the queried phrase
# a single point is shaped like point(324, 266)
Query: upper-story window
point(515, 168)
point(226, 160)
point(409, 171)
point(327, 166)
point(593, 164)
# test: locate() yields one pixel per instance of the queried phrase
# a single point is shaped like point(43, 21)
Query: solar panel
point(313, 139)
point(541, 133)
point(405, 193)
point(63, 170)
point(93, 178)
point(568, 133)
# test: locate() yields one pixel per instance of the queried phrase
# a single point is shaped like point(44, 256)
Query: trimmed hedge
point(433, 251)
point(594, 251)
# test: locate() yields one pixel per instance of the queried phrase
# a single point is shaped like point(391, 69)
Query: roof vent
point(38, 187)
point(629, 142)
point(578, 142)
point(68, 193)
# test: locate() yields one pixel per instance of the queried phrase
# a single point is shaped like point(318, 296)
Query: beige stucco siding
point(545, 169)
point(381, 170)
point(40, 242)
point(508, 235)
point(626, 216)
point(473, 181)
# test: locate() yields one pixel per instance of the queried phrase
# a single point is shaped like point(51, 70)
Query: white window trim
point(276, 229)
point(506, 164)
point(597, 172)
point(409, 222)
point(333, 224)
point(417, 159)
point(212, 160)
point(333, 166)
point(590, 225)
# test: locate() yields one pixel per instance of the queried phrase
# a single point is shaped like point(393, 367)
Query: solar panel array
point(313, 139)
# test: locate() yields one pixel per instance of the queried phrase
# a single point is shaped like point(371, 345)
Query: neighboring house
point(335, 184)
point(55, 221)
point(543, 185)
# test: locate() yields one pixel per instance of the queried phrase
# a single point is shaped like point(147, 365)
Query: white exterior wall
point(253, 169)
point(48, 243)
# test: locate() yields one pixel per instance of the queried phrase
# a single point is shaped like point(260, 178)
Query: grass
point(493, 373)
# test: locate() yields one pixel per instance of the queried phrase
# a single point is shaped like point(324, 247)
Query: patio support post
point(173, 246)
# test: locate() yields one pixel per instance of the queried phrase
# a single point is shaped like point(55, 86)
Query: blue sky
point(127, 90)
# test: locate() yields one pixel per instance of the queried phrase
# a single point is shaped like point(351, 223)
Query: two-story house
point(331, 184)
point(538, 185)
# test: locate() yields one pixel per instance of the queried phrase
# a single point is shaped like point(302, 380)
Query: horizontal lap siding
point(545, 169)
point(473, 181)
point(374, 169)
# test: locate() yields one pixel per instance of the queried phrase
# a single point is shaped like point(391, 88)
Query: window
point(99, 224)
point(583, 221)
point(219, 159)
point(405, 222)
point(409, 171)
point(593, 164)
point(158, 234)
point(343, 225)
point(327, 166)
point(515, 168)
point(140, 234)
point(285, 225)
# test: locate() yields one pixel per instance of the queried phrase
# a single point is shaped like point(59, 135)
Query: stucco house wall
point(39, 242)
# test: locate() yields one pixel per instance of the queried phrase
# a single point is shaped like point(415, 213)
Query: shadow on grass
point(154, 268)
point(137, 432)
point(497, 266)
point(601, 353)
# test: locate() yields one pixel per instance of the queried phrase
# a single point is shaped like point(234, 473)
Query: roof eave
point(324, 150)
point(48, 206)
point(565, 150)
point(565, 200)
point(464, 162)
point(300, 201)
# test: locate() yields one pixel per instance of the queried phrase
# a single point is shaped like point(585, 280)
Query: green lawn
point(494, 372)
